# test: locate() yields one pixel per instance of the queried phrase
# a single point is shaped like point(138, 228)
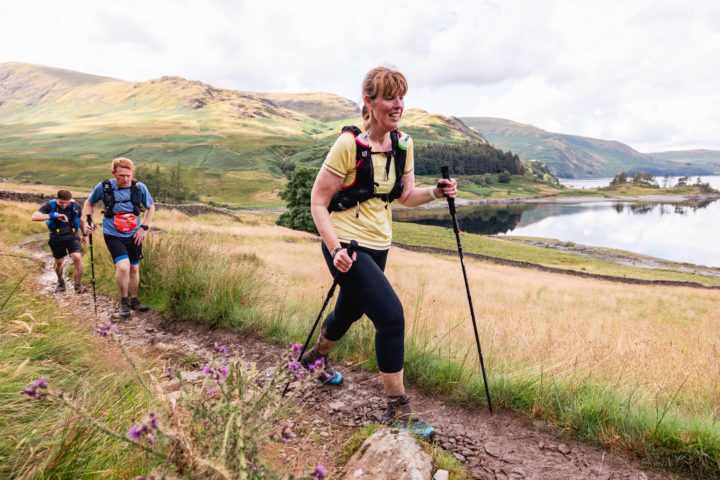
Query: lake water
point(673, 232)
point(581, 183)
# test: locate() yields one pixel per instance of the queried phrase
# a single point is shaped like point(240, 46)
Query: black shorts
point(64, 246)
point(122, 248)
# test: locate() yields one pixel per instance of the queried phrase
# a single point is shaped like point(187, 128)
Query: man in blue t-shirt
point(123, 230)
point(62, 216)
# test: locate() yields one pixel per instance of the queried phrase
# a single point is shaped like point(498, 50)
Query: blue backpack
point(52, 223)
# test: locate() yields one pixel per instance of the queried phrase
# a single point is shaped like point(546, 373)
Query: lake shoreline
point(554, 199)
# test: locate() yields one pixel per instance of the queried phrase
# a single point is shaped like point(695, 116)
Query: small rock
point(597, 471)
point(459, 457)
point(441, 475)
point(336, 406)
point(512, 459)
point(171, 386)
point(518, 472)
point(493, 449)
point(466, 452)
point(564, 449)
point(642, 476)
point(193, 376)
point(447, 446)
point(324, 434)
point(541, 445)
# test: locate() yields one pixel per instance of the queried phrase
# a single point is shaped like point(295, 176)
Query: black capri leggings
point(365, 290)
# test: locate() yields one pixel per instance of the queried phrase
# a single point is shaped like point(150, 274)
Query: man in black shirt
point(63, 218)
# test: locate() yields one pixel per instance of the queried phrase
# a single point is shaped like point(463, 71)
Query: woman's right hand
point(342, 260)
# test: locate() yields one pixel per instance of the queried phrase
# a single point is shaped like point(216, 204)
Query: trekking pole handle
point(445, 172)
point(351, 248)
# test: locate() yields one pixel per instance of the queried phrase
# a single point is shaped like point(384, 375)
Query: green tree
point(297, 197)
point(619, 179)
point(166, 186)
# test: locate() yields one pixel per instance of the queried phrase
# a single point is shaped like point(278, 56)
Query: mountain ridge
point(576, 156)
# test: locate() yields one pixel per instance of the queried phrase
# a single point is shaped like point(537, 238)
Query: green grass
point(46, 441)
point(443, 238)
point(244, 189)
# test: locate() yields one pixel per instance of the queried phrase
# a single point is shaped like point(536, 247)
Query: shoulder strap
point(108, 198)
point(76, 212)
point(136, 197)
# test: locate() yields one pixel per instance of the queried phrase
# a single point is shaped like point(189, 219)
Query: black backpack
point(109, 200)
point(363, 187)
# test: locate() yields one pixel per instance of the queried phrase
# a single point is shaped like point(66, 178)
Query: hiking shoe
point(124, 308)
point(60, 286)
point(313, 360)
point(399, 414)
point(136, 305)
point(79, 288)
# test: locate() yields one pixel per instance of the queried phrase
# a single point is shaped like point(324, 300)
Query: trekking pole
point(451, 206)
point(92, 263)
point(331, 292)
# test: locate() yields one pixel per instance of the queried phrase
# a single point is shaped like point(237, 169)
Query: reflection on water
point(684, 233)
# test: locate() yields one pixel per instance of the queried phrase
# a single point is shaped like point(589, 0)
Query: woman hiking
point(351, 200)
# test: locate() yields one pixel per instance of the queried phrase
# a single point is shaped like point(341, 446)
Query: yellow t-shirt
point(372, 228)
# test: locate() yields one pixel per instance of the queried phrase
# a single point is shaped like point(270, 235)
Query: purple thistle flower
point(146, 429)
point(211, 392)
point(296, 347)
point(36, 390)
point(153, 421)
point(105, 329)
point(319, 473)
point(287, 432)
point(222, 349)
point(224, 372)
point(293, 366)
point(317, 364)
point(207, 369)
point(136, 432)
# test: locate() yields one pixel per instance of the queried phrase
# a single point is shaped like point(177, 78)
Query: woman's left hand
point(448, 187)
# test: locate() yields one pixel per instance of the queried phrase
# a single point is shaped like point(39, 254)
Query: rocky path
point(501, 446)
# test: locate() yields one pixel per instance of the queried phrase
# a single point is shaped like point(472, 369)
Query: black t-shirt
point(66, 228)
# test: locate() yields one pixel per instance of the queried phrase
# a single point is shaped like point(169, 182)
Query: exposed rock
point(493, 449)
point(512, 459)
point(564, 449)
point(389, 454)
point(441, 475)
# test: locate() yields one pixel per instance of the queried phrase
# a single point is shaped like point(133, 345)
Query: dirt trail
point(501, 446)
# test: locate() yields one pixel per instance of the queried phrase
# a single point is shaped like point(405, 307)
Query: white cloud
point(639, 71)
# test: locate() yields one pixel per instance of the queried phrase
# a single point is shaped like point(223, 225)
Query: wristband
point(336, 251)
point(432, 193)
point(52, 215)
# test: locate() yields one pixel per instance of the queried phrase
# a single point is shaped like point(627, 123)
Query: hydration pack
point(52, 223)
point(109, 200)
point(363, 187)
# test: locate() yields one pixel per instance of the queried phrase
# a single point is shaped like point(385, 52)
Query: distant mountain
point(573, 156)
point(709, 159)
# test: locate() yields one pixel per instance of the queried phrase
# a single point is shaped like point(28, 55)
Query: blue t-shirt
point(122, 204)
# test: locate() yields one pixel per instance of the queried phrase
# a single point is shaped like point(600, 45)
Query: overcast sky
point(644, 72)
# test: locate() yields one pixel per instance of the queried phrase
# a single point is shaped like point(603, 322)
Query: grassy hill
point(709, 159)
point(573, 156)
point(62, 127)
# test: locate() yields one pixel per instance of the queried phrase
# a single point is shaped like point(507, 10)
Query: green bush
point(297, 197)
